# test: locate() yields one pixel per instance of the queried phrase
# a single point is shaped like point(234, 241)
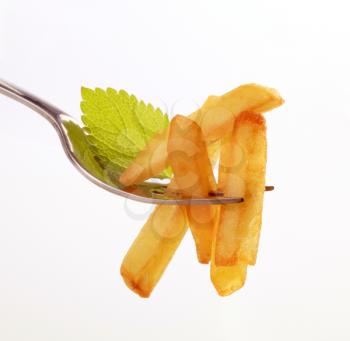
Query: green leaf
point(119, 126)
point(86, 153)
point(82, 149)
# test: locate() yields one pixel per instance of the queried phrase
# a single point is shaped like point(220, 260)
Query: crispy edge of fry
point(153, 248)
point(193, 165)
point(239, 225)
point(153, 159)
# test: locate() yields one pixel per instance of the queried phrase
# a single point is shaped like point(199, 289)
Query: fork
point(148, 192)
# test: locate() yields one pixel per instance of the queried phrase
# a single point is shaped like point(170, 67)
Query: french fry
point(215, 118)
point(242, 173)
point(193, 175)
point(226, 279)
point(149, 162)
point(153, 249)
point(229, 278)
point(217, 114)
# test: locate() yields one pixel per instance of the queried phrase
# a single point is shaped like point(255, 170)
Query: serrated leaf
point(119, 126)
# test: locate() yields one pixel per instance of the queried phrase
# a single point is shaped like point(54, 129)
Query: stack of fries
point(226, 236)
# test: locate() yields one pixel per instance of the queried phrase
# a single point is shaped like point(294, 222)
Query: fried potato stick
point(153, 248)
point(215, 118)
point(226, 279)
point(242, 173)
point(193, 175)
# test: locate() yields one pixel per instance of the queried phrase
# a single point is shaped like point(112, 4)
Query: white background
point(62, 239)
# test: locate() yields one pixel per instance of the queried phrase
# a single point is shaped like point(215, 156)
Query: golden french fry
point(226, 279)
point(242, 173)
point(215, 118)
point(149, 162)
point(193, 175)
point(153, 249)
point(229, 278)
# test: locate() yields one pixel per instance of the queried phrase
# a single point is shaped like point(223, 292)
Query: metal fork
point(147, 192)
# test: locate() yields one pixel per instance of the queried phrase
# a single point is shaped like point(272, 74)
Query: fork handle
point(47, 110)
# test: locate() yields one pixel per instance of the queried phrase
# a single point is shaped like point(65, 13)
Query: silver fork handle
point(47, 110)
